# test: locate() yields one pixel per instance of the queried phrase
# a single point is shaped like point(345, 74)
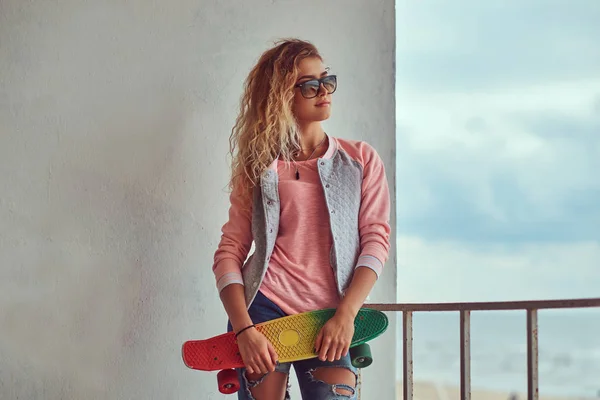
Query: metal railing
point(531, 308)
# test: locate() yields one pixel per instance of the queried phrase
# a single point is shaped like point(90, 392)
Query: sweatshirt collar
point(333, 145)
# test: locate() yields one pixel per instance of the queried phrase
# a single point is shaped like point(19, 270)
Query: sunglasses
point(310, 89)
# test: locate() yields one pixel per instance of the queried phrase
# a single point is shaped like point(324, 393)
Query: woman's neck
point(311, 135)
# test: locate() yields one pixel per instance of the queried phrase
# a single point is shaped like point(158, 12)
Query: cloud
point(494, 44)
point(498, 144)
point(445, 271)
point(501, 165)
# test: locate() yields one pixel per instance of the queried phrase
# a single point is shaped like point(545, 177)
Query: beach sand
point(432, 391)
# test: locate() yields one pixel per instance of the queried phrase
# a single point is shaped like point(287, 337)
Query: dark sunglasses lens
point(330, 83)
point(310, 88)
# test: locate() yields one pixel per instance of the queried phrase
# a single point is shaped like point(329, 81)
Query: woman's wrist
point(244, 330)
point(359, 288)
point(346, 312)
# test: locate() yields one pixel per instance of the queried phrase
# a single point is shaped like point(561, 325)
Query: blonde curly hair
point(265, 127)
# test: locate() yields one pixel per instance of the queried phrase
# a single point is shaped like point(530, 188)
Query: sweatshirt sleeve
point(235, 243)
point(374, 214)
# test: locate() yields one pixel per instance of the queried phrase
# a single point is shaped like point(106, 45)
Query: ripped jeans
point(261, 310)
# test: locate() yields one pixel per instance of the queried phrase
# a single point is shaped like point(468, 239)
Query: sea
point(568, 358)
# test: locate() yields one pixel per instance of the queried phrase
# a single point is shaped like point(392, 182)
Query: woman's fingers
point(258, 353)
point(260, 366)
point(266, 356)
point(336, 350)
point(267, 361)
point(346, 350)
point(273, 354)
point(325, 348)
point(319, 342)
point(339, 351)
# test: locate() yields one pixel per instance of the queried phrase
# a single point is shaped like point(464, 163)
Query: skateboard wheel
point(361, 356)
point(228, 381)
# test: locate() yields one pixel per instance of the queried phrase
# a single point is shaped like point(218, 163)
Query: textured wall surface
point(114, 126)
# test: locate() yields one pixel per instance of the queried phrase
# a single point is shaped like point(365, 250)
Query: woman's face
point(313, 102)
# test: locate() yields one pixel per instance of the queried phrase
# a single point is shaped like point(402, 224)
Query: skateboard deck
point(293, 338)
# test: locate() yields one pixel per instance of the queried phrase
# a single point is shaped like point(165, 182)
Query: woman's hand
point(335, 337)
point(257, 352)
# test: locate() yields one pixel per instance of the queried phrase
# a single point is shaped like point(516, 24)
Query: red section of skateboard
point(219, 352)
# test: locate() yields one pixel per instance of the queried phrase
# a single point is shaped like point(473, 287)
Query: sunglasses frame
point(320, 80)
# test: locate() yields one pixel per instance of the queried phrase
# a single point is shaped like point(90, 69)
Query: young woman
point(317, 209)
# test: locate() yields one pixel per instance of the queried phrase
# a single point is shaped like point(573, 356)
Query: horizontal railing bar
point(487, 306)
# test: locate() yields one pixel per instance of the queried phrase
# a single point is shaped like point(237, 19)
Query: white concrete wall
point(114, 126)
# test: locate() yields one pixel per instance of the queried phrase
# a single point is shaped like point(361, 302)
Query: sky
point(498, 141)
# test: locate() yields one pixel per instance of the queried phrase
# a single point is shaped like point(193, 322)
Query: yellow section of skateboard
point(294, 337)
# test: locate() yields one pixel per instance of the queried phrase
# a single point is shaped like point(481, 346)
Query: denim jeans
point(261, 310)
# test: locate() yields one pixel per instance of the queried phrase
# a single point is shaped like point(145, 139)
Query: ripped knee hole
point(342, 379)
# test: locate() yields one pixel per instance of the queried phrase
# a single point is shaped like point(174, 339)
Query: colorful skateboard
point(293, 338)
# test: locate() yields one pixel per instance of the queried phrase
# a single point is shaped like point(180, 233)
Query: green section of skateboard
point(293, 338)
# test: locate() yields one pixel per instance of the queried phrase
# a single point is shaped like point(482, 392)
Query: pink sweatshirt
point(299, 277)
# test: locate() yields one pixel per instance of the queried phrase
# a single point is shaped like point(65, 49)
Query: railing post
point(532, 355)
point(465, 355)
point(407, 350)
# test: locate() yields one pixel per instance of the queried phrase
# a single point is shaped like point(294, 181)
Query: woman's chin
point(323, 114)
